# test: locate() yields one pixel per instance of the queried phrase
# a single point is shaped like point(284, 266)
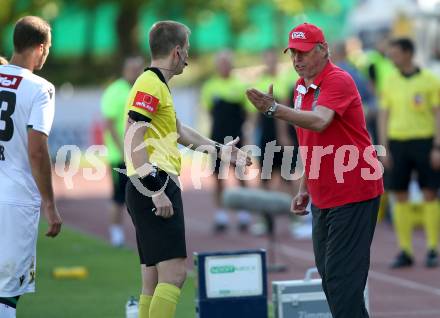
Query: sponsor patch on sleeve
point(10, 81)
point(146, 101)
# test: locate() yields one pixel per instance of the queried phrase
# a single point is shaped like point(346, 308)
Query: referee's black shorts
point(408, 157)
point(158, 239)
point(342, 239)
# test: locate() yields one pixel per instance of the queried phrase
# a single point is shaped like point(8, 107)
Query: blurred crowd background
point(91, 38)
point(235, 44)
point(243, 39)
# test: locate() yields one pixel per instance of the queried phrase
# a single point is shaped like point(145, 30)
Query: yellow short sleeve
point(145, 97)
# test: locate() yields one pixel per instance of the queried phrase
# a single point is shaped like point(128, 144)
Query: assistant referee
point(410, 130)
point(158, 218)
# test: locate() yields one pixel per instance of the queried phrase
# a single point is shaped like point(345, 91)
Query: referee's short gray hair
point(165, 35)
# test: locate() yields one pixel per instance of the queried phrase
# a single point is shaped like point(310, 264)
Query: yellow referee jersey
point(229, 89)
point(411, 102)
point(151, 98)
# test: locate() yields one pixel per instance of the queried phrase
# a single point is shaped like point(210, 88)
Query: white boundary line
point(404, 283)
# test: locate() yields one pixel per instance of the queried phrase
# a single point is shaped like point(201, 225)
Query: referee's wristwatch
point(270, 112)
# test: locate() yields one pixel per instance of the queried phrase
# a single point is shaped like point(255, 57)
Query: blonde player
point(26, 116)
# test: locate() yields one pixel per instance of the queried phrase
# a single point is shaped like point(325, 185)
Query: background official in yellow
point(223, 95)
point(113, 104)
point(409, 128)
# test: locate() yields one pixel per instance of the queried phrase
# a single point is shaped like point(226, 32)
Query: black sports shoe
point(403, 259)
point(431, 260)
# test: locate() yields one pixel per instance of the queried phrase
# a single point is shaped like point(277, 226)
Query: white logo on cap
point(299, 35)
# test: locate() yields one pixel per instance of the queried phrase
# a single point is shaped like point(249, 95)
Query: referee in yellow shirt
point(223, 95)
point(153, 196)
point(409, 128)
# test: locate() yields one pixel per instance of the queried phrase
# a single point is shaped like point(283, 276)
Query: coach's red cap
point(304, 37)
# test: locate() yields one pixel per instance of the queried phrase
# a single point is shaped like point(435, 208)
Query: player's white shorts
point(7, 312)
point(18, 244)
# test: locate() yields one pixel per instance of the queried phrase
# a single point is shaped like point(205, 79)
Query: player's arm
point(41, 165)
point(40, 122)
point(42, 172)
point(191, 138)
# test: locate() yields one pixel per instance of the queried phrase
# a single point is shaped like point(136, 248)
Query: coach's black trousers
point(342, 238)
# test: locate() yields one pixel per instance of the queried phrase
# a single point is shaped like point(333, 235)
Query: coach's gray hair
point(320, 47)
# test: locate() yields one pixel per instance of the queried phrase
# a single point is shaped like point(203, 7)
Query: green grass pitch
point(114, 275)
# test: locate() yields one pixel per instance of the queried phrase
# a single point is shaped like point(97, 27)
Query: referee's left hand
point(261, 101)
point(238, 157)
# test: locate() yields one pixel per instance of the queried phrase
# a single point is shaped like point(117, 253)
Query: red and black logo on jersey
point(10, 81)
point(146, 101)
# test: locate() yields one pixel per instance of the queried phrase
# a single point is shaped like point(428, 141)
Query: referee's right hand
point(164, 207)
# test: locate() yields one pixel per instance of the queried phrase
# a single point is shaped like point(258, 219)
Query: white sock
point(221, 217)
point(244, 217)
point(117, 236)
point(6, 311)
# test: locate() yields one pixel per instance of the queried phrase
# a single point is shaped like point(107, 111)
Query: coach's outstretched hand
point(53, 219)
point(238, 157)
point(261, 101)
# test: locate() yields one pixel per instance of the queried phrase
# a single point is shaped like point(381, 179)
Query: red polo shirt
point(341, 165)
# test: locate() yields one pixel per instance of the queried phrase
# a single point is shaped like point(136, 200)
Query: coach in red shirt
point(343, 178)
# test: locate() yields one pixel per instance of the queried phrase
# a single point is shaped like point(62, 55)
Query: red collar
point(318, 79)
